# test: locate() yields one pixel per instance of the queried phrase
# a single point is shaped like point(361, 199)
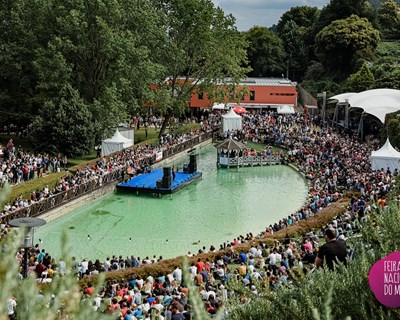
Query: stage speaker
point(193, 158)
point(192, 168)
point(166, 183)
point(167, 171)
point(159, 183)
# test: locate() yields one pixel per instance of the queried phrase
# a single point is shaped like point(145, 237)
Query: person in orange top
point(199, 265)
point(382, 202)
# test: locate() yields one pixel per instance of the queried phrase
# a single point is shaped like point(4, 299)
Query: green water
point(219, 207)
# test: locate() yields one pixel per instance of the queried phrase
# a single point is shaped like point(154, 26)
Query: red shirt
point(199, 265)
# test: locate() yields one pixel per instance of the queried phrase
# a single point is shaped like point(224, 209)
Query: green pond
point(222, 205)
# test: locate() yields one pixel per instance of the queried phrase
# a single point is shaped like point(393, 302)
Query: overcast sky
point(249, 13)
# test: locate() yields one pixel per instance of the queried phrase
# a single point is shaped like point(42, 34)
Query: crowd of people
point(18, 165)
point(332, 162)
point(132, 161)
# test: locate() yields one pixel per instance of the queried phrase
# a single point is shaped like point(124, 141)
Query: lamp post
point(28, 223)
point(322, 96)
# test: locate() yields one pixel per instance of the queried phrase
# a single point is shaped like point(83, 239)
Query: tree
point(361, 80)
point(388, 17)
point(342, 9)
point(23, 30)
point(340, 43)
point(108, 47)
point(102, 49)
point(203, 48)
point(295, 49)
point(389, 80)
point(303, 16)
point(265, 52)
point(64, 125)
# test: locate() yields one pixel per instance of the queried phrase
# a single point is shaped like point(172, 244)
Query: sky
point(249, 13)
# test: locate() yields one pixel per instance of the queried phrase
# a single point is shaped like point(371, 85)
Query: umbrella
point(239, 109)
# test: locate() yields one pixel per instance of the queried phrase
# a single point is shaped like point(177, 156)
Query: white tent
point(231, 121)
point(377, 102)
point(341, 98)
point(386, 157)
point(219, 106)
point(127, 132)
point(285, 109)
point(116, 143)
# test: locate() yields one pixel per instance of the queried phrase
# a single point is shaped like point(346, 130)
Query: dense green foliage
point(109, 53)
point(340, 44)
point(266, 53)
point(202, 47)
point(66, 124)
point(326, 48)
point(361, 80)
point(106, 54)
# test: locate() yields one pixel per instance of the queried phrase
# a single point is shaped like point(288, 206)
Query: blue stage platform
point(146, 182)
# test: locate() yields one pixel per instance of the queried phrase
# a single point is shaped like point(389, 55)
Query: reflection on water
point(217, 208)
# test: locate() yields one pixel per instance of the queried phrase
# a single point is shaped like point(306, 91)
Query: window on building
point(201, 95)
point(252, 95)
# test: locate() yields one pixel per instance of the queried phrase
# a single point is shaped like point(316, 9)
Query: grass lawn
point(261, 146)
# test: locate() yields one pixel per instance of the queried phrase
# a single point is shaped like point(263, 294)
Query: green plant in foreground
point(342, 294)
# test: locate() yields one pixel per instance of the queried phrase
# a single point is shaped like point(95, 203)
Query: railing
point(96, 183)
point(186, 145)
point(63, 197)
point(254, 160)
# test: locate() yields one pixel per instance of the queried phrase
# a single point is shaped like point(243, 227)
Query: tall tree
point(388, 17)
point(24, 28)
point(303, 16)
point(361, 80)
point(203, 48)
point(342, 9)
point(64, 125)
point(265, 52)
point(108, 46)
point(340, 44)
point(295, 49)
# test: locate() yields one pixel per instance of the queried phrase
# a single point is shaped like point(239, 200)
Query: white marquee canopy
point(231, 121)
point(116, 143)
point(285, 109)
point(341, 98)
point(386, 157)
point(377, 102)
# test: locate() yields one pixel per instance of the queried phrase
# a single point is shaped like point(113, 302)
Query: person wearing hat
point(332, 251)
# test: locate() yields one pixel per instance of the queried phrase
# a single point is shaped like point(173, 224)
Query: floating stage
point(159, 181)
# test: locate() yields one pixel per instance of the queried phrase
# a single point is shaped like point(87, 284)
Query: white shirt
point(11, 304)
point(177, 274)
point(84, 266)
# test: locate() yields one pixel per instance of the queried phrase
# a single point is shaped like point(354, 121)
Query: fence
point(96, 183)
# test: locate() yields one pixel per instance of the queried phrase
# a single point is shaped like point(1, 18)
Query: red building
point(260, 93)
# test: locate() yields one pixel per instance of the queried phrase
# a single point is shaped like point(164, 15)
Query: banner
point(159, 156)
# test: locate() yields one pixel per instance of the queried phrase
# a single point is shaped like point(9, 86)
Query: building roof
point(230, 144)
point(278, 82)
